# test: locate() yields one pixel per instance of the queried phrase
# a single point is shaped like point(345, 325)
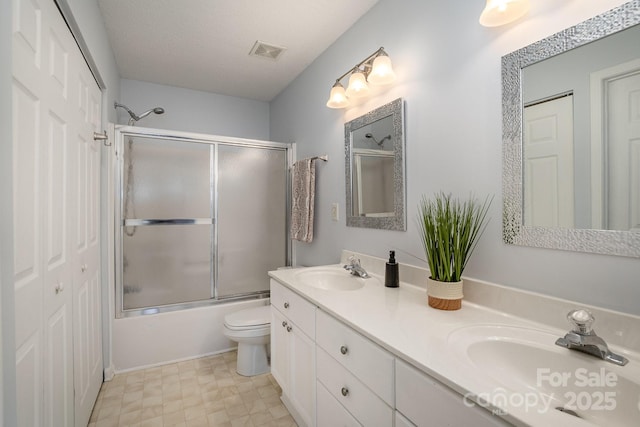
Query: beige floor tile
point(172, 406)
point(203, 392)
point(152, 422)
point(194, 412)
point(218, 417)
point(131, 406)
point(278, 411)
point(174, 418)
point(108, 422)
point(130, 418)
point(261, 418)
point(151, 401)
point(198, 422)
point(108, 412)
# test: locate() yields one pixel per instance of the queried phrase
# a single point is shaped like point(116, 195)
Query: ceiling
point(205, 44)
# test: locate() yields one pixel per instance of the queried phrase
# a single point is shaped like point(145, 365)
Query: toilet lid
point(249, 317)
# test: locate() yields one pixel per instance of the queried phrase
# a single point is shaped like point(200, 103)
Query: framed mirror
point(374, 168)
point(571, 138)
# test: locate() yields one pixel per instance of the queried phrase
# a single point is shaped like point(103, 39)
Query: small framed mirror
point(374, 169)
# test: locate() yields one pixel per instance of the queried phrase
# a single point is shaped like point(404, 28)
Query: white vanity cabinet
point(333, 376)
point(426, 402)
point(356, 373)
point(293, 358)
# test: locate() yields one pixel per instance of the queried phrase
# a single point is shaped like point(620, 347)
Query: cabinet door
point(302, 374)
point(330, 412)
point(427, 402)
point(279, 350)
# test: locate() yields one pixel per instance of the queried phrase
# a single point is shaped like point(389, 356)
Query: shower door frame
point(121, 133)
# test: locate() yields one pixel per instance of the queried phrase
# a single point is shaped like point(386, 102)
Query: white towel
point(303, 197)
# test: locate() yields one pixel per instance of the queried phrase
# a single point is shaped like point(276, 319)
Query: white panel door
point(29, 109)
point(49, 115)
point(548, 164)
point(86, 305)
point(623, 148)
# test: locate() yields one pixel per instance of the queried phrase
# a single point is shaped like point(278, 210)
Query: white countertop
point(399, 320)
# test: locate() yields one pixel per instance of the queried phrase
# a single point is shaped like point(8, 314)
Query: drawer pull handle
point(344, 391)
point(288, 328)
point(344, 349)
point(286, 305)
point(284, 323)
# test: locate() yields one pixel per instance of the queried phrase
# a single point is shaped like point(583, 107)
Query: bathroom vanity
point(348, 351)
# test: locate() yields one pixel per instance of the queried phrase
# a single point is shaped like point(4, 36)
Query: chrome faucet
point(355, 268)
point(583, 338)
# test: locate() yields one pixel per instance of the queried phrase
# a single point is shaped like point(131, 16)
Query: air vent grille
point(265, 50)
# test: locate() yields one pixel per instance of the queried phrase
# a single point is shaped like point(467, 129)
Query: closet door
point(87, 332)
point(47, 122)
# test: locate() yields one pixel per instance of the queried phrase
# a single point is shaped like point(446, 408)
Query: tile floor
point(201, 392)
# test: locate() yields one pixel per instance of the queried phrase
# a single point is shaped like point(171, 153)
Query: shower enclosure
point(200, 218)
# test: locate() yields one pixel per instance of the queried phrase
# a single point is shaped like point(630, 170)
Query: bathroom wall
point(195, 111)
point(449, 74)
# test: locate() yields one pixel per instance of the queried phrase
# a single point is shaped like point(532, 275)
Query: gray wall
point(449, 74)
point(195, 111)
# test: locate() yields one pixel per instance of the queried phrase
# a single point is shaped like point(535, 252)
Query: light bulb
point(501, 12)
point(381, 71)
point(357, 85)
point(337, 97)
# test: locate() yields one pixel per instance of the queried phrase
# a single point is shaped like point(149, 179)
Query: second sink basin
point(527, 364)
point(330, 279)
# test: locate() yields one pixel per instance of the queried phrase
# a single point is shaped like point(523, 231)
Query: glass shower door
point(252, 218)
point(167, 225)
point(201, 219)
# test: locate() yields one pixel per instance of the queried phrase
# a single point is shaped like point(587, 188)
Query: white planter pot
point(444, 295)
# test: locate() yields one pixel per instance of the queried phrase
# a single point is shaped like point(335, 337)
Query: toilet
point(251, 329)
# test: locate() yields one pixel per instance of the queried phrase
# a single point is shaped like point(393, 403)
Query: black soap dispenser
point(391, 275)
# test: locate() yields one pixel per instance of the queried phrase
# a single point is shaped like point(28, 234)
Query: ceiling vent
point(268, 51)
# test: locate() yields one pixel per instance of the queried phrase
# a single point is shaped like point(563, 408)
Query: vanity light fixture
point(501, 12)
point(374, 70)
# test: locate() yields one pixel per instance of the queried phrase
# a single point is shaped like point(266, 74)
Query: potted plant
point(450, 229)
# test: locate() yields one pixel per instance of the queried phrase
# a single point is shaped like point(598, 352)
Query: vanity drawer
point(356, 397)
point(425, 402)
point(366, 360)
point(330, 412)
point(294, 307)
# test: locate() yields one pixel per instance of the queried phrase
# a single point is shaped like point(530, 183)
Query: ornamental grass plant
point(450, 230)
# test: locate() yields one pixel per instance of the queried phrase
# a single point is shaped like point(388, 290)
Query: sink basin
point(532, 373)
point(330, 279)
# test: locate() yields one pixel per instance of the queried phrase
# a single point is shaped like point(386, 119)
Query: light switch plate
point(335, 212)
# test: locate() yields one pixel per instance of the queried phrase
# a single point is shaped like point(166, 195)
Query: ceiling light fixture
point(374, 70)
point(501, 12)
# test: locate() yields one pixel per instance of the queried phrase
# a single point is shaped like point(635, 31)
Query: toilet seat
point(251, 318)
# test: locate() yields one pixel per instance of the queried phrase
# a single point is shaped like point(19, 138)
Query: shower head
point(156, 110)
point(134, 117)
point(370, 135)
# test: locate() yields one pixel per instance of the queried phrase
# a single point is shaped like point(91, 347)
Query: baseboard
point(184, 359)
point(109, 372)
